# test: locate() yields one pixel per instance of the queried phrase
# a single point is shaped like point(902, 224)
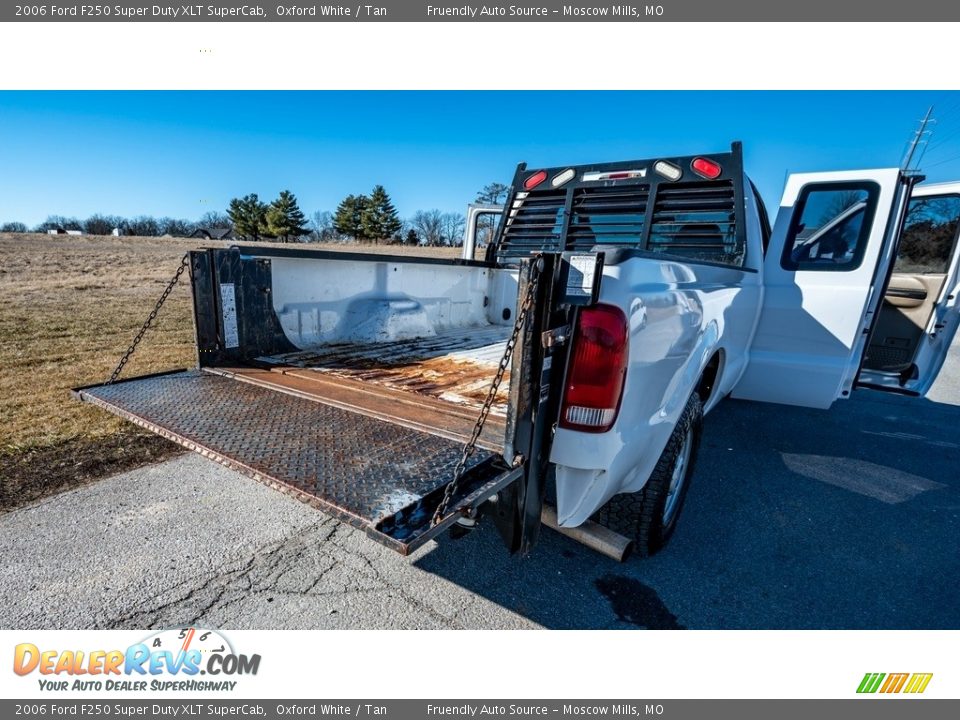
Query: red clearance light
point(706, 168)
point(591, 399)
point(531, 182)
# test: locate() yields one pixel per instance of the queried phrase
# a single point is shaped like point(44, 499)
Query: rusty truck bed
point(455, 367)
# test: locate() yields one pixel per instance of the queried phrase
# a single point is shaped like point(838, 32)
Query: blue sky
point(184, 153)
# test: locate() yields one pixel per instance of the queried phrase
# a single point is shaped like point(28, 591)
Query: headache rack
point(685, 207)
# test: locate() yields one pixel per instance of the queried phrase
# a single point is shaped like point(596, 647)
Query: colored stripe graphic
point(870, 682)
point(918, 682)
point(894, 682)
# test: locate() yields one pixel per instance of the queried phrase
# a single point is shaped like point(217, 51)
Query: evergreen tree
point(380, 220)
point(349, 216)
point(285, 219)
point(248, 216)
point(493, 194)
point(412, 238)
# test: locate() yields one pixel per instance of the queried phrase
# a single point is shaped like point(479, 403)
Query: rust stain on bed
point(452, 379)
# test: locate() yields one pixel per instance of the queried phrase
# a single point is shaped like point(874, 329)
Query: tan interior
point(906, 310)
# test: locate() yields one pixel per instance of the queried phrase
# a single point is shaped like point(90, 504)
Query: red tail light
point(706, 168)
point(591, 399)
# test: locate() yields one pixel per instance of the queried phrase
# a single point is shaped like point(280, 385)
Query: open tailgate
point(383, 478)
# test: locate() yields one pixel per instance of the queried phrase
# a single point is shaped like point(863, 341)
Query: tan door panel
point(907, 291)
point(904, 315)
point(915, 295)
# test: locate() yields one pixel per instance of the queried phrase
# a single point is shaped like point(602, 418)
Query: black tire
point(640, 515)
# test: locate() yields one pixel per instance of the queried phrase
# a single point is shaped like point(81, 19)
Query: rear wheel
point(650, 516)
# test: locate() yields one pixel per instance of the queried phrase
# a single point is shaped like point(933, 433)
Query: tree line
point(358, 218)
point(98, 224)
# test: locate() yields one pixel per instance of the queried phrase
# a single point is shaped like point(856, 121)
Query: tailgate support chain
point(470, 447)
point(184, 262)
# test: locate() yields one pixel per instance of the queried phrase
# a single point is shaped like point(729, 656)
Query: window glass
point(831, 226)
point(929, 233)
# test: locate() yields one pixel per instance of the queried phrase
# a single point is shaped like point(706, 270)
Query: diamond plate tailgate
point(383, 478)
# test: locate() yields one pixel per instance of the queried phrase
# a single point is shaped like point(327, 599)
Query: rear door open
point(825, 273)
point(918, 318)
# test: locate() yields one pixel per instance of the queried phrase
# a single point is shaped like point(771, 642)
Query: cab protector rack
point(690, 206)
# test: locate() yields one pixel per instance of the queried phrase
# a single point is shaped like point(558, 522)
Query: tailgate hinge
point(556, 336)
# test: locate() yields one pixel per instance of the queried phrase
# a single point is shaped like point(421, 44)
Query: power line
point(944, 162)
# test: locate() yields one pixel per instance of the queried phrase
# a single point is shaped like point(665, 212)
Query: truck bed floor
point(455, 367)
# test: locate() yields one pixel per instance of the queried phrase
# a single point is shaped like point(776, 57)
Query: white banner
point(456, 664)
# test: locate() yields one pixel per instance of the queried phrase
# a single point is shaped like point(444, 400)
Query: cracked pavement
point(795, 519)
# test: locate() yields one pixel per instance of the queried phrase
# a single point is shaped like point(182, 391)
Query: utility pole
point(915, 141)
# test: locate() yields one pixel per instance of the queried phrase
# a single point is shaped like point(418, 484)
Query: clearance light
point(531, 182)
point(615, 175)
point(668, 170)
point(706, 168)
point(563, 178)
point(591, 398)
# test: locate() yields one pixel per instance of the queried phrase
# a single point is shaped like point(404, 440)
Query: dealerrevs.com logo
point(168, 660)
point(910, 683)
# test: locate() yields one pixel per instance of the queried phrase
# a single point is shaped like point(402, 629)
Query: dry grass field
point(69, 306)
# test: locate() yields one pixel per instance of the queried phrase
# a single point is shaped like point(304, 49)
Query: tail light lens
point(591, 399)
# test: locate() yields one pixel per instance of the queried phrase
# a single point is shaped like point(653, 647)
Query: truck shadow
point(796, 518)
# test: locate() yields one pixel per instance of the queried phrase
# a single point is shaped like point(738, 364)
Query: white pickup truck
point(618, 304)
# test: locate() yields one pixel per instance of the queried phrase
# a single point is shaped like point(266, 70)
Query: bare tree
point(214, 219)
point(143, 225)
point(428, 225)
point(54, 222)
point(453, 225)
point(175, 227)
point(321, 226)
point(98, 224)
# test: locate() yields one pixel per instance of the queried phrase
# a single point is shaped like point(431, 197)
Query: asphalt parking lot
point(796, 519)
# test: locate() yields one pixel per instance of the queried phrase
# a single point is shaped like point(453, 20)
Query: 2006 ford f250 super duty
point(634, 296)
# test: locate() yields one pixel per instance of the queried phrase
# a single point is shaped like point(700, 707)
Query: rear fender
point(592, 468)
